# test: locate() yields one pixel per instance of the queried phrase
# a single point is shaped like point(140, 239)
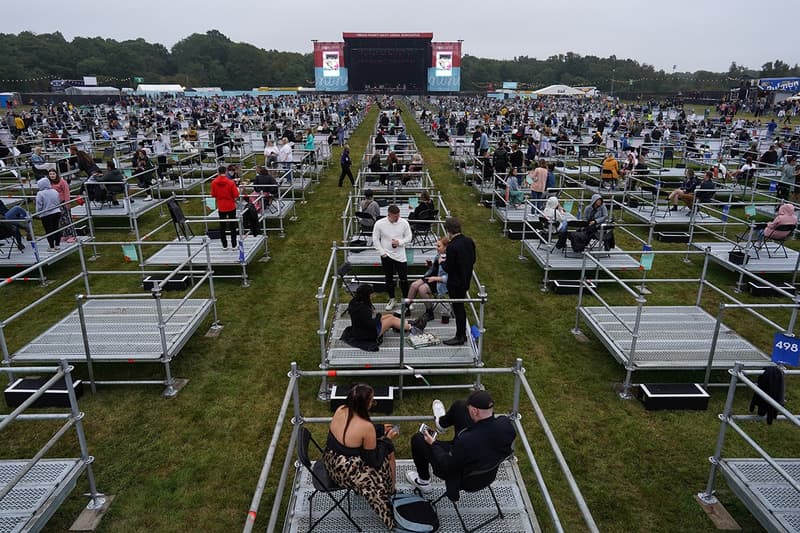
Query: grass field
point(191, 463)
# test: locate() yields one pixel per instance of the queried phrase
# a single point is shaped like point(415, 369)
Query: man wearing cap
point(481, 441)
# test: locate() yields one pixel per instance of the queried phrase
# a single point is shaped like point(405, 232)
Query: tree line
point(31, 60)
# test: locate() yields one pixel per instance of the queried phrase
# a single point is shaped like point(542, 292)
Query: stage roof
point(387, 35)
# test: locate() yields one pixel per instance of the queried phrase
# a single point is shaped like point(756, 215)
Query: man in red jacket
point(225, 192)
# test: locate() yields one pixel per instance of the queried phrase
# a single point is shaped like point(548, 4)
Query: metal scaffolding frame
point(36, 487)
point(613, 323)
point(171, 321)
point(291, 400)
point(768, 486)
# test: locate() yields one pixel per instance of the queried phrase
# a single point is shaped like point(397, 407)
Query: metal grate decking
point(139, 207)
point(763, 265)
point(38, 494)
point(26, 257)
point(681, 217)
point(572, 261)
point(118, 330)
point(768, 496)
point(342, 355)
point(476, 507)
point(370, 257)
point(175, 254)
point(670, 337)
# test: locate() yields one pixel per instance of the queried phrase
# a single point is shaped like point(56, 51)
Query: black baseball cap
point(480, 399)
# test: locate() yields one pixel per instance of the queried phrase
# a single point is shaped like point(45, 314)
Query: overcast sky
point(691, 34)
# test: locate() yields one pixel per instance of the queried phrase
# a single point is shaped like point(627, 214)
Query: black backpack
point(414, 514)
point(579, 240)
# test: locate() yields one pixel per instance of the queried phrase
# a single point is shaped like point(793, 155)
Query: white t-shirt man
point(390, 236)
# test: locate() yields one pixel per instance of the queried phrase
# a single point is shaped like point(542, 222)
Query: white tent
point(104, 91)
point(559, 90)
point(170, 88)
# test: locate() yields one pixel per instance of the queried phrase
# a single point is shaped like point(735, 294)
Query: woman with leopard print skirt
point(360, 454)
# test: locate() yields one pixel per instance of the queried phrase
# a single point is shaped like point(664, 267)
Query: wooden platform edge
point(89, 519)
point(719, 515)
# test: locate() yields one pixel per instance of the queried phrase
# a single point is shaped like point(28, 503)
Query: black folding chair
point(366, 222)
point(179, 219)
point(780, 242)
point(473, 481)
point(321, 481)
point(422, 229)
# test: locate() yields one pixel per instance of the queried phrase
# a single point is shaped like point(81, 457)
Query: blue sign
point(450, 83)
point(324, 83)
point(725, 210)
point(789, 85)
point(786, 350)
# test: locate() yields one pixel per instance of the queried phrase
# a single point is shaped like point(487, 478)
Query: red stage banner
point(329, 49)
point(440, 52)
point(387, 35)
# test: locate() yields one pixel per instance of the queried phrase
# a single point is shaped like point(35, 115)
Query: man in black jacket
point(482, 441)
point(459, 263)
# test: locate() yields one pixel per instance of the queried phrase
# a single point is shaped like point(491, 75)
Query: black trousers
point(390, 266)
point(346, 172)
point(51, 224)
point(459, 311)
point(227, 227)
point(421, 452)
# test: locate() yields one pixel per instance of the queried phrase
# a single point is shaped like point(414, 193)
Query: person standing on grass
point(346, 163)
point(460, 260)
point(225, 192)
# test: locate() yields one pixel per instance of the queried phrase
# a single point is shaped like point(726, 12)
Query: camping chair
point(179, 219)
point(748, 178)
point(97, 194)
point(422, 228)
point(8, 234)
point(703, 196)
point(603, 239)
point(548, 232)
point(473, 481)
point(366, 222)
point(780, 243)
point(321, 481)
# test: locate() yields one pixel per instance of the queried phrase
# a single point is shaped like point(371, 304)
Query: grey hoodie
point(47, 202)
point(599, 214)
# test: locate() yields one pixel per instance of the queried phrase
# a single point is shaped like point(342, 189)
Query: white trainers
point(423, 486)
point(148, 198)
point(390, 304)
point(438, 412)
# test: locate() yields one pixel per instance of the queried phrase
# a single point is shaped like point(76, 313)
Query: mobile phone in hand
point(425, 429)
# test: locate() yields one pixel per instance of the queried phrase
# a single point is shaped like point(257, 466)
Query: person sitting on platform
point(610, 171)
point(84, 161)
point(9, 218)
point(266, 186)
point(366, 327)
point(114, 181)
point(359, 455)
point(375, 163)
point(370, 207)
point(481, 441)
point(557, 216)
point(685, 192)
point(784, 217)
point(433, 280)
point(416, 163)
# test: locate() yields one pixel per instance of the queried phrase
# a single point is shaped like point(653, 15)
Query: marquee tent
point(560, 90)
